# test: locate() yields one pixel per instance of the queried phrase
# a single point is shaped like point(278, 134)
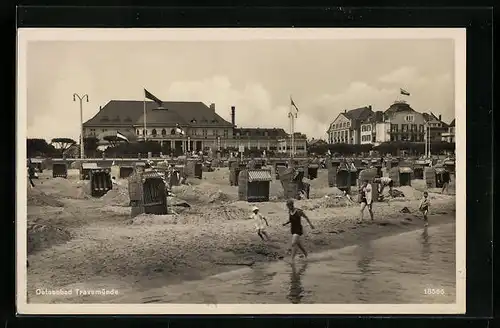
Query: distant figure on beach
point(446, 182)
point(294, 219)
point(260, 220)
point(424, 206)
point(365, 198)
point(386, 182)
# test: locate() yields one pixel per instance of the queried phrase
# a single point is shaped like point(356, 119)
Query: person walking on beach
point(365, 195)
point(446, 182)
point(424, 207)
point(295, 216)
point(260, 220)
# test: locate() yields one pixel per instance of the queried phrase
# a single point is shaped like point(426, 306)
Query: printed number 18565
point(434, 291)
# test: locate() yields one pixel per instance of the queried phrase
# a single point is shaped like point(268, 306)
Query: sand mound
point(38, 198)
point(203, 193)
point(410, 192)
point(42, 236)
point(325, 202)
point(117, 196)
point(65, 188)
point(195, 216)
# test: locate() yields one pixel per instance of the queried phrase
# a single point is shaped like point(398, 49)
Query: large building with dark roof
point(203, 127)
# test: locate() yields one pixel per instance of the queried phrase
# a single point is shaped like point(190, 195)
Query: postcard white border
point(67, 34)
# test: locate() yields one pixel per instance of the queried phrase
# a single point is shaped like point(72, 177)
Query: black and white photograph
point(241, 171)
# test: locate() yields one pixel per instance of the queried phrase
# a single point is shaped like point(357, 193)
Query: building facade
point(368, 128)
point(346, 128)
point(201, 128)
point(449, 136)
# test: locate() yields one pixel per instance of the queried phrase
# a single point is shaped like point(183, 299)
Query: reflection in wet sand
point(296, 289)
point(366, 256)
point(426, 245)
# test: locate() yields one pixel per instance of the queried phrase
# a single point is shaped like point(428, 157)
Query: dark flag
point(295, 106)
point(150, 96)
point(404, 92)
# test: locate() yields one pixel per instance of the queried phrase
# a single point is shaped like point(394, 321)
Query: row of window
point(408, 128)
point(366, 138)
point(341, 134)
point(408, 137)
point(366, 128)
point(342, 125)
point(341, 140)
point(204, 132)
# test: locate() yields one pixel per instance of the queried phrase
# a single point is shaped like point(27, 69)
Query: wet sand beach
point(76, 241)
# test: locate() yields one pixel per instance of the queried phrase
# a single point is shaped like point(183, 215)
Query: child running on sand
point(424, 207)
point(259, 223)
point(294, 219)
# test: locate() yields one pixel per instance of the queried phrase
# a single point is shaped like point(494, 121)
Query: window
point(414, 127)
point(163, 132)
point(409, 118)
point(144, 132)
point(137, 132)
point(369, 127)
point(394, 128)
point(153, 132)
point(216, 132)
point(204, 132)
point(172, 132)
point(404, 127)
point(421, 128)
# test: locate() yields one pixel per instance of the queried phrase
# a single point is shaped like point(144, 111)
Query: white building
point(346, 127)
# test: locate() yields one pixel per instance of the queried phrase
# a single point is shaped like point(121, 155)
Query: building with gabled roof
point(449, 136)
point(182, 126)
point(346, 126)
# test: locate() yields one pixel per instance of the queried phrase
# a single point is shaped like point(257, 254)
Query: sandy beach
point(77, 240)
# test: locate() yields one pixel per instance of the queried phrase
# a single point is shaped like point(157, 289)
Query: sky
point(324, 78)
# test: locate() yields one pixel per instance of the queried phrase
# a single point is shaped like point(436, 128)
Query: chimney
point(345, 111)
point(212, 106)
point(100, 107)
point(439, 117)
point(370, 107)
point(233, 115)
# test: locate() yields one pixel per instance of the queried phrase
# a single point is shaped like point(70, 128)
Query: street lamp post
point(81, 98)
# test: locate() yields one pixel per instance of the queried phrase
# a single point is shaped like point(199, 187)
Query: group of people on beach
point(366, 201)
point(295, 215)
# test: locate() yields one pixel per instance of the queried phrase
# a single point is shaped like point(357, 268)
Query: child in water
point(424, 206)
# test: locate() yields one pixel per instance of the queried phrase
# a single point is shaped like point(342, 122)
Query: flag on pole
point(152, 97)
point(179, 130)
point(121, 136)
point(295, 106)
point(404, 92)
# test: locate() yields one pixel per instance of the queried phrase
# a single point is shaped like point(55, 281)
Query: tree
point(62, 144)
point(39, 147)
point(90, 144)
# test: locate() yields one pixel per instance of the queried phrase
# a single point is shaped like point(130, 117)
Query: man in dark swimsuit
point(295, 216)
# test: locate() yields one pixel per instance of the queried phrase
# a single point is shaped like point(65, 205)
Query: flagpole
point(145, 131)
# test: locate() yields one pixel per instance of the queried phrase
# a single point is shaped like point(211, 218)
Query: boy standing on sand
point(365, 193)
point(294, 219)
point(259, 223)
point(424, 207)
